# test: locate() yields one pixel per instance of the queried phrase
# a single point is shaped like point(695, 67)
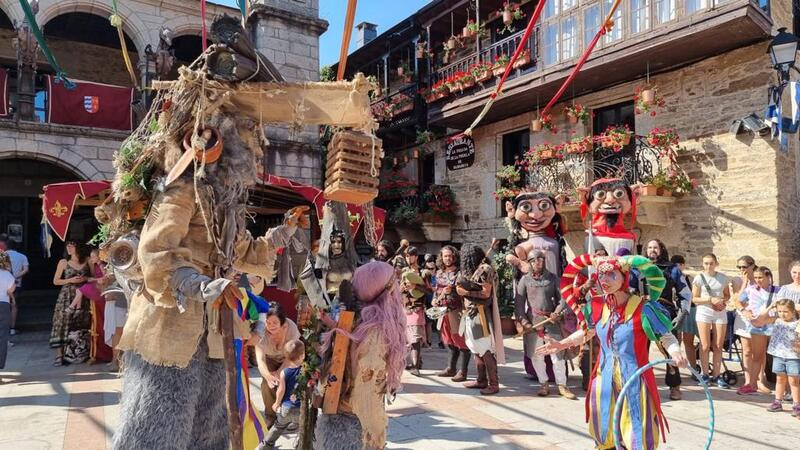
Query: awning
point(58, 202)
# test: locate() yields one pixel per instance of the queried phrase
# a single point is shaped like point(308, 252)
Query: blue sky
point(385, 13)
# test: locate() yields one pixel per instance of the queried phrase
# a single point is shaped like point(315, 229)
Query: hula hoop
point(636, 375)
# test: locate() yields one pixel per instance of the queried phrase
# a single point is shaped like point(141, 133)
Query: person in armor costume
point(480, 322)
point(538, 301)
point(414, 303)
point(445, 295)
point(676, 299)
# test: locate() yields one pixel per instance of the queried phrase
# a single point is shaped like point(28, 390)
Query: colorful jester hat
point(572, 278)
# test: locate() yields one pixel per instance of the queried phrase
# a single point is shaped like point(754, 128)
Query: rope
point(522, 44)
point(116, 22)
point(606, 26)
point(349, 18)
point(636, 375)
point(203, 29)
point(37, 33)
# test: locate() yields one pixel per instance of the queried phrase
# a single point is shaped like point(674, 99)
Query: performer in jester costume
point(624, 324)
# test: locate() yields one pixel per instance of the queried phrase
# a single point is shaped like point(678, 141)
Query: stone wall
point(747, 200)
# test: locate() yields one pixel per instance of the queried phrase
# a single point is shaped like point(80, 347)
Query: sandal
point(58, 362)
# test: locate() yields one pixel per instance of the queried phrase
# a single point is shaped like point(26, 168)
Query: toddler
point(287, 405)
point(784, 346)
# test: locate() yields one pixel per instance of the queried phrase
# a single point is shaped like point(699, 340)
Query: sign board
point(460, 152)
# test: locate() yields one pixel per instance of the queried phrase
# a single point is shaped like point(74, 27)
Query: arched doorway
point(187, 48)
point(21, 182)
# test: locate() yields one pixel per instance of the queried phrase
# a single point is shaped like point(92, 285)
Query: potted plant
point(405, 214)
point(500, 63)
point(547, 123)
point(395, 185)
point(439, 204)
point(505, 292)
point(476, 29)
point(375, 91)
point(401, 103)
point(664, 140)
point(648, 104)
point(523, 60)
point(536, 125)
point(615, 137)
point(481, 72)
point(452, 42)
point(421, 49)
point(580, 145)
point(467, 32)
point(467, 79)
point(576, 112)
point(508, 179)
point(425, 137)
point(510, 12)
point(402, 69)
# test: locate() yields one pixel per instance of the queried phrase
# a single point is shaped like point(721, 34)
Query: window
point(606, 163)
point(692, 6)
point(591, 23)
point(514, 146)
point(551, 9)
point(640, 15)
point(567, 4)
point(427, 172)
point(665, 11)
point(40, 105)
point(616, 32)
point(550, 46)
point(569, 38)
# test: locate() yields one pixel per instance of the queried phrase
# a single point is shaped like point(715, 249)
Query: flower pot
point(573, 119)
point(547, 154)
point(467, 33)
point(468, 84)
point(420, 53)
point(485, 76)
point(508, 17)
point(437, 231)
point(664, 192)
point(400, 71)
point(136, 210)
point(648, 95)
point(451, 43)
point(498, 71)
point(648, 190)
point(626, 139)
point(536, 125)
point(446, 58)
point(416, 153)
point(523, 60)
point(213, 148)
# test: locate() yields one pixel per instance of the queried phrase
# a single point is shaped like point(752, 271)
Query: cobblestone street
point(75, 408)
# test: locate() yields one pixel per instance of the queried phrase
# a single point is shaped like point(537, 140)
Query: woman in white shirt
point(711, 293)
point(7, 286)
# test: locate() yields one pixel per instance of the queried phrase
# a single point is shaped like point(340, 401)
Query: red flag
point(59, 202)
point(90, 105)
point(3, 93)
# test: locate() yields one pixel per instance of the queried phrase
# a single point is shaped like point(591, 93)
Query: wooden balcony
point(664, 34)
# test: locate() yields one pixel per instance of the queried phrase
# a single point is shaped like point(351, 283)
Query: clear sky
point(385, 13)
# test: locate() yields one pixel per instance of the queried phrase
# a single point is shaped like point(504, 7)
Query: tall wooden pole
point(229, 357)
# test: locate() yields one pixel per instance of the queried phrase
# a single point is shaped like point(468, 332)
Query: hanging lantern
point(353, 157)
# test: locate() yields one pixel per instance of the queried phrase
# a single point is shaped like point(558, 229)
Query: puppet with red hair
point(624, 325)
point(609, 201)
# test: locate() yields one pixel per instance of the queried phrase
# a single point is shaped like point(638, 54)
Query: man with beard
point(384, 251)
point(539, 292)
point(676, 298)
point(480, 323)
point(445, 295)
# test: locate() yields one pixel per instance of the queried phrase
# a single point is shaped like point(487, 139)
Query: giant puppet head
point(609, 200)
point(534, 213)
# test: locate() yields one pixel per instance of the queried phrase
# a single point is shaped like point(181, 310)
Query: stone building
point(707, 59)
point(34, 152)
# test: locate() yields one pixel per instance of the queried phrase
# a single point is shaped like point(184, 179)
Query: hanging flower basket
point(451, 43)
point(577, 112)
point(420, 51)
point(508, 17)
point(647, 100)
point(648, 95)
point(536, 125)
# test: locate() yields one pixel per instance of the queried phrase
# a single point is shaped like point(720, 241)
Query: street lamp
point(783, 51)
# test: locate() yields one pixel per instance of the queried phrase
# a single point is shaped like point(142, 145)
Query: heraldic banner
point(58, 202)
point(90, 105)
point(3, 93)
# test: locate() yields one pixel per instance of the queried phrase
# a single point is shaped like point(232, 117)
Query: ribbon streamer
point(522, 44)
point(116, 22)
point(635, 376)
point(605, 27)
point(37, 33)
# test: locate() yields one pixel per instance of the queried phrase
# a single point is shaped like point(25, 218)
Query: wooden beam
point(341, 347)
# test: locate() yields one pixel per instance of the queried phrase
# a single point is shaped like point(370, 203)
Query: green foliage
point(406, 213)
point(102, 235)
point(505, 279)
point(326, 73)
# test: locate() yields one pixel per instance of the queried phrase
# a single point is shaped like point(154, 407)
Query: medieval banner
point(90, 105)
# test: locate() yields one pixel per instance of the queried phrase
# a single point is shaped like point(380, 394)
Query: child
point(287, 405)
point(784, 346)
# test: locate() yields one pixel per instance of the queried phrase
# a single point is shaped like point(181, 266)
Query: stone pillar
point(27, 49)
point(287, 33)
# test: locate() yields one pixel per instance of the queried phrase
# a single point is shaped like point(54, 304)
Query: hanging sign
point(460, 152)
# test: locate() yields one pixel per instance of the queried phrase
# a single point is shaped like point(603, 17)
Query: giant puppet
point(609, 201)
point(179, 203)
point(623, 324)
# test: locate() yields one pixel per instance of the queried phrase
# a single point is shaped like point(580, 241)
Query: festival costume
point(449, 325)
point(609, 201)
point(99, 351)
point(480, 326)
point(624, 333)
point(414, 303)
